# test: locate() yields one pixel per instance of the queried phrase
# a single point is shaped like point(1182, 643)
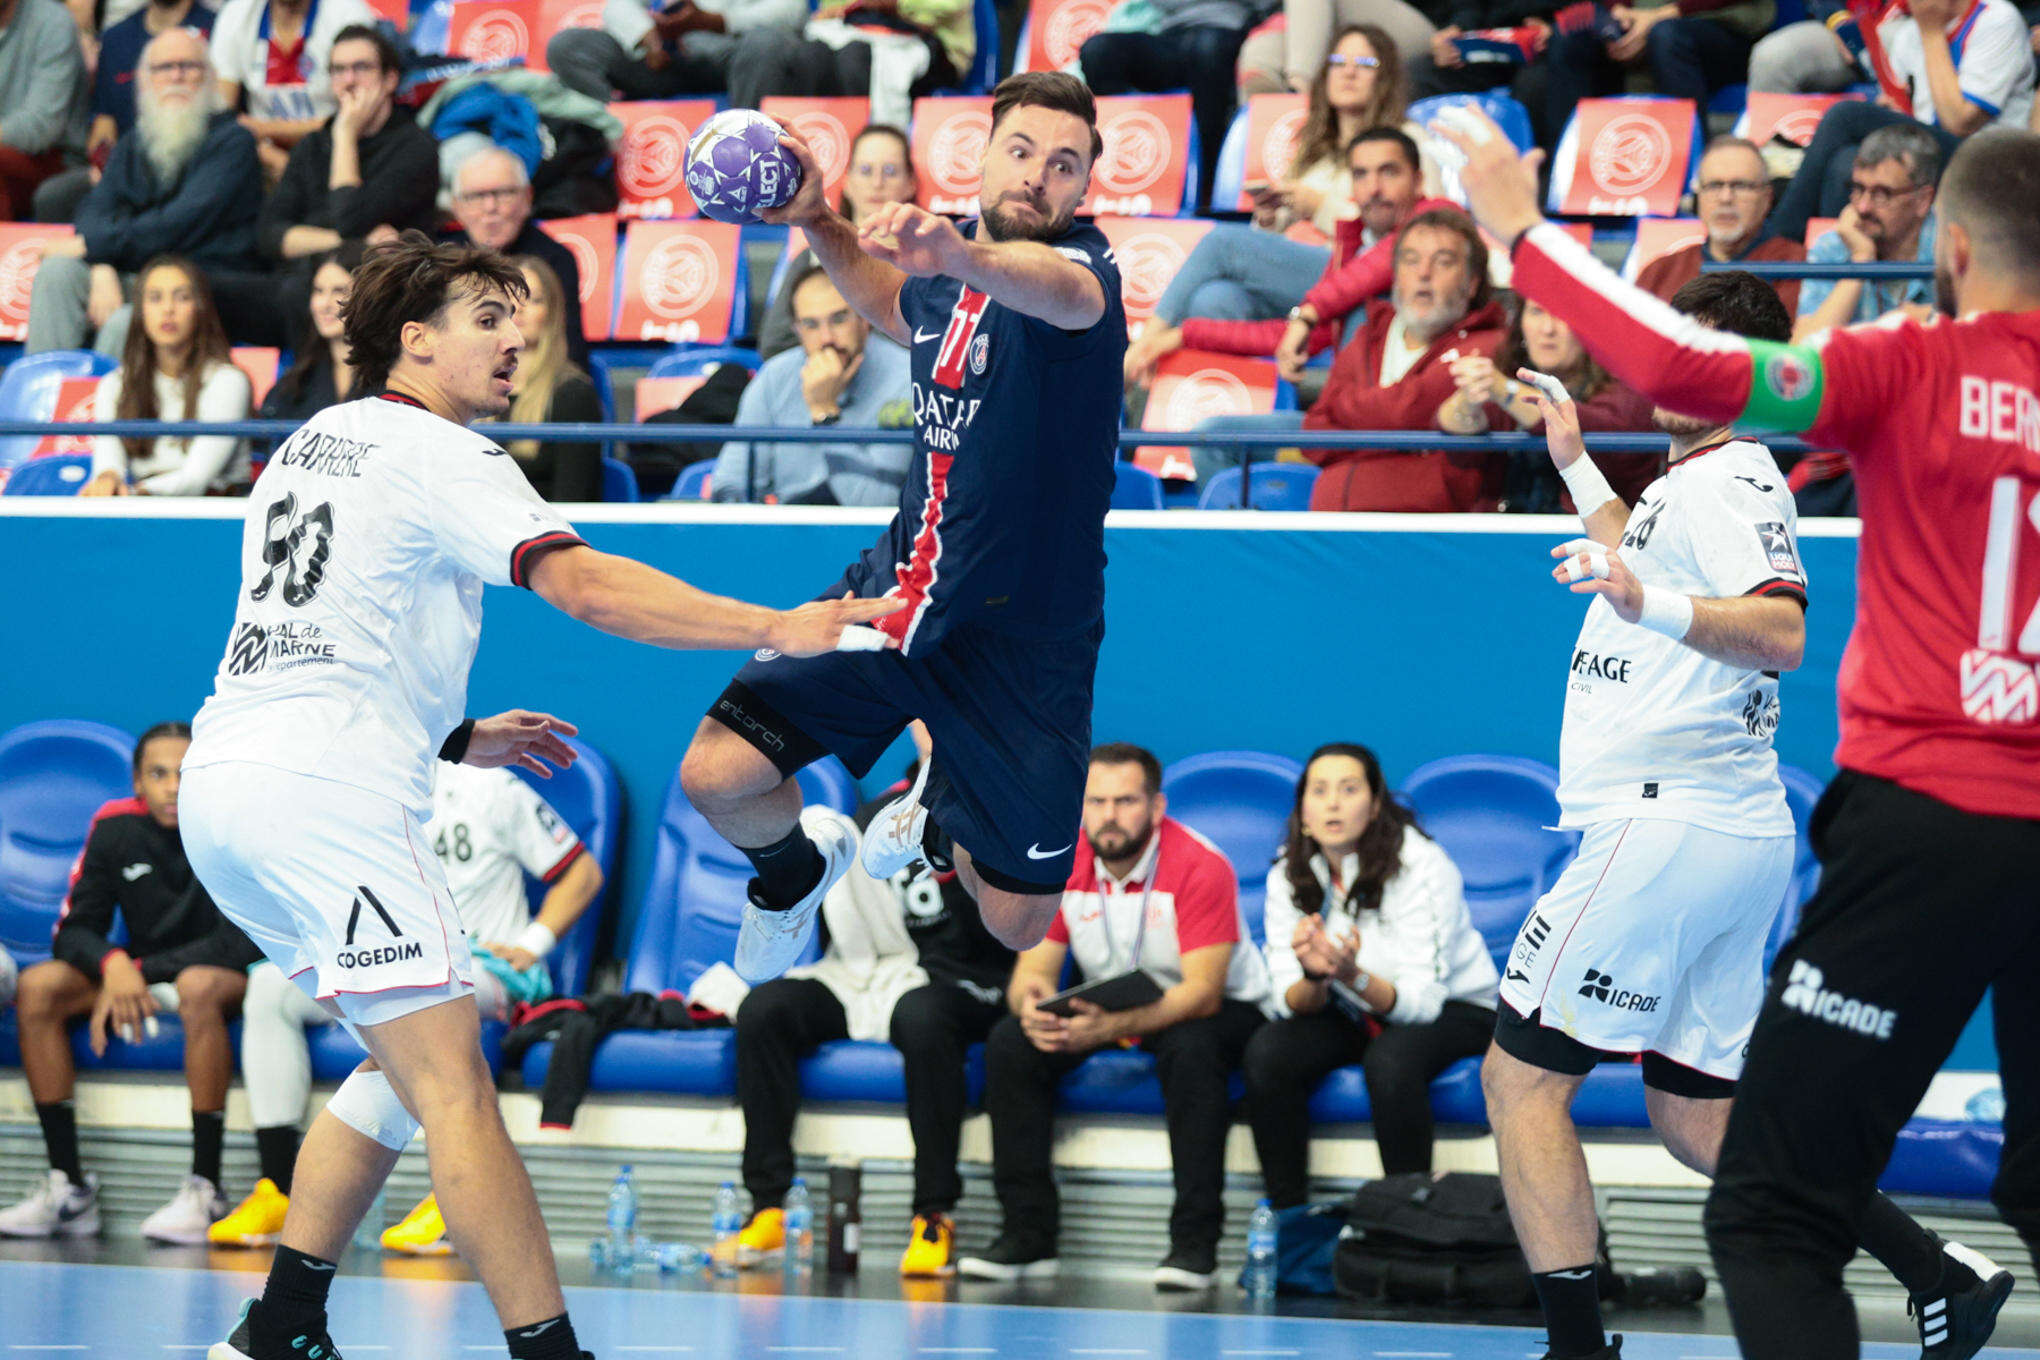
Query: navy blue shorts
point(1011, 719)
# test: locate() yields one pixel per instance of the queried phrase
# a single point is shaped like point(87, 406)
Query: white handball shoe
point(184, 1220)
point(769, 942)
point(892, 841)
point(56, 1208)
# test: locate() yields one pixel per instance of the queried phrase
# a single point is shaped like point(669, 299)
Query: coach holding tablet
point(1147, 895)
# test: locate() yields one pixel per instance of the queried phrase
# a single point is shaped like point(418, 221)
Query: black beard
point(1000, 226)
point(1677, 426)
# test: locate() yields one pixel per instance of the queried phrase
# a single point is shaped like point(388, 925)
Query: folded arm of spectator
point(82, 933)
point(222, 177)
point(403, 182)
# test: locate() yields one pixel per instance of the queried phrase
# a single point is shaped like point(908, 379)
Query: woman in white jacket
point(1375, 961)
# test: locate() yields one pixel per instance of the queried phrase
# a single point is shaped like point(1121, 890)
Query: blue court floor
point(57, 1308)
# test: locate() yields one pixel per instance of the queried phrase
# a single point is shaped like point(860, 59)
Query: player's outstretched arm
point(1755, 632)
point(631, 600)
point(1602, 513)
point(870, 285)
point(1027, 276)
point(1667, 356)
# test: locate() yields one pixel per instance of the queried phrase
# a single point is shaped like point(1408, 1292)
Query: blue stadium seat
point(1490, 814)
point(687, 361)
point(54, 776)
point(692, 479)
point(28, 391)
point(868, 1071)
point(1275, 486)
point(62, 474)
point(619, 483)
point(1510, 115)
point(1135, 488)
point(588, 797)
point(688, 922)
point(1802, 791)
point(1240, 801)
point(605, 386)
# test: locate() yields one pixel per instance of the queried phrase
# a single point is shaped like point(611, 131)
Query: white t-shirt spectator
point(282, 86)
point(1993, 61)
point(174, 466)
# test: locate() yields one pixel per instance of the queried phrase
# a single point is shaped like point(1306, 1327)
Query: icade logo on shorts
point(1600, 986)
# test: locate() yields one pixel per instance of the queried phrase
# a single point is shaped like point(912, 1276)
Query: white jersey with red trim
point(367, 543)
point(489, 829)
point(1652, 727)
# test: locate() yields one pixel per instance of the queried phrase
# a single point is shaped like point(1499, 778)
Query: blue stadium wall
point(1420, 637)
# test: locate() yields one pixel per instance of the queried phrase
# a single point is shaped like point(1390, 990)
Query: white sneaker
point(56, 1208)
point(769, 942)
point(184, 1220)
point(893, 839)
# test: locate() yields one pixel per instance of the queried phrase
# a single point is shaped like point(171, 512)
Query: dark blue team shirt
point(1016, 426)
point(120, 51)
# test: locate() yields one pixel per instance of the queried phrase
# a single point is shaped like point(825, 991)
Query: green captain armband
point(1786, 386)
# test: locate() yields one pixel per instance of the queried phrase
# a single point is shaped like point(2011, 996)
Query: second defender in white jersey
point(1652, 940)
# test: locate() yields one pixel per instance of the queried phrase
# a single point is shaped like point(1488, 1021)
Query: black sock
point(276, 1148)
point(937, 848)
point(1571, 1300)
point(208, 1131)
point(1911, 1252)
point(60, 1136)
point(787, 869)
point(552, 1339)
point(293, 1301)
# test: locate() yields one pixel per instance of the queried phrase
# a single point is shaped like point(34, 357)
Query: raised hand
point(1561, 417)
point(912, 239)
point(835, 626)
point(808, 204)
point(1588, 568)
point(1501, 186)
point(523, 739)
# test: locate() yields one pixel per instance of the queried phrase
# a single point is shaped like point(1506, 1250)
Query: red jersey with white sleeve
point(1940, 685)
point(1190, 896)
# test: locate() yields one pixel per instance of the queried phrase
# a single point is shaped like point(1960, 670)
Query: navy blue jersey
point(1016, 425)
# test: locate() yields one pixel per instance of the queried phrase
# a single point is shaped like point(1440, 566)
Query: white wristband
point(1667, 612)
point(1588, 488)
point(537, 939)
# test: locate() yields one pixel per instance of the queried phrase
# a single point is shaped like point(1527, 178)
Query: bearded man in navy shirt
point(1018, 335)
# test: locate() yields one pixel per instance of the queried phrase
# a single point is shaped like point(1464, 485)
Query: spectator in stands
point(184, 182)
point(1383, 165)
point(552, 389)
point(272, 58)
point(1809, 56)
point(43, 97)
point(1890, 218)
point(1277, 58)
point(909, 961)
point(842, 374)
point(113, 97)
point(364, 174)
point(490, 829)
point(175, 366)
point(1194, 43)
point(881, 171)
point(1373, 959)
point(492, 203)
point(1444, 69)
point(652, 49)
point(1488, 396)
point(1734, 196)
point(1924, 80)
point(181, 958)
point(1394, 374)
point(892, 51)
point(320, 374)
point(1147, 894)
point(1692, 48)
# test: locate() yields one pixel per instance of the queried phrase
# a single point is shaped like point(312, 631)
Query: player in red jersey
point(1930, 833)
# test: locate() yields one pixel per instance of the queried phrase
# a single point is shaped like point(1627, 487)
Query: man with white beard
point(184, 181)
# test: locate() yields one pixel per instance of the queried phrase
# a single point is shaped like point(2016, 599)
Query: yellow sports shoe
point(763, 1238)
point(422, 1233)
point(929, 1247)
point(256, 1223)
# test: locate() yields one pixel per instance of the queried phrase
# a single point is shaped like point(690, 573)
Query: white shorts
point(1652, 941)
point(338, 886)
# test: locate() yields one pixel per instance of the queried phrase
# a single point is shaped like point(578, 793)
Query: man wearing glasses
point(1734, 199)
point(492, 203)
point(1890, 219)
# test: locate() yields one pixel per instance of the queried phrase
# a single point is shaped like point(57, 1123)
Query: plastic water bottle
point(1260, 1272)
point(728, 1222)
point(677, 1258)
point(799, 1208)
point(620, 1246)
point(1987, 1106)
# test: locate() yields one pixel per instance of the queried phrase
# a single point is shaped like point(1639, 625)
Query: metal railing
point(1821, 269)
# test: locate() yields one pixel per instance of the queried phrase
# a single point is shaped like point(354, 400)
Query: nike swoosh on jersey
point(1035, 851)
point(923, 337)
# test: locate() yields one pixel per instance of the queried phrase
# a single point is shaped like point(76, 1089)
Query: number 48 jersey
point(368, 540)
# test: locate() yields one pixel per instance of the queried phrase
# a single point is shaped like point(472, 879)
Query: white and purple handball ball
point(736, 167)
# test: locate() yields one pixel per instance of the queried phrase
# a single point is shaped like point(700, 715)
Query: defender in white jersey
point(369, 539)
point(1652, 940)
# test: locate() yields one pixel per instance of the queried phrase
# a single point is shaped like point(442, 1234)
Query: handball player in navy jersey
point(1017, 333)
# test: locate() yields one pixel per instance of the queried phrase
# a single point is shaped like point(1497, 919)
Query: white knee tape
point(368, 1104)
